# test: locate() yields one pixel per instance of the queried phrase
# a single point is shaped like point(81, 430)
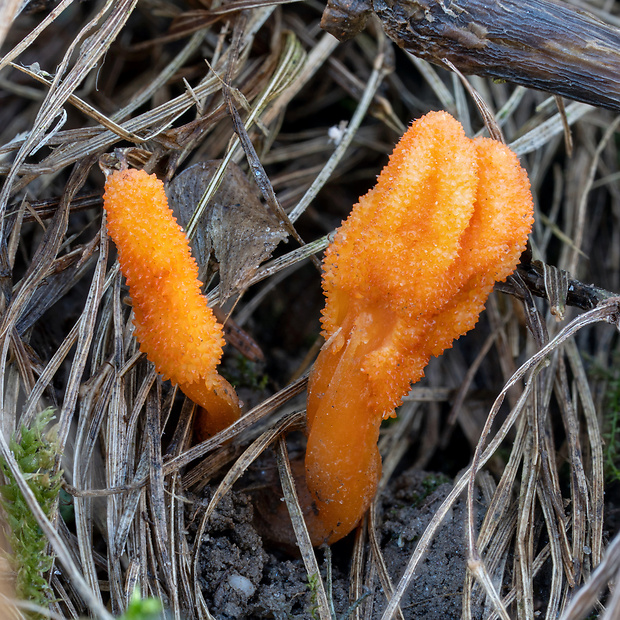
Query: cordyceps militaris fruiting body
point(173, 324)
point(408, 272)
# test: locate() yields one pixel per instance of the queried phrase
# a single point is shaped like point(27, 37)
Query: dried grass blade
point(90, 53)
point(260, 176)
point(152, 86)
point(131, 579)
point(277, 265)
point(429, 73)
point(479, 571)
point(244, 313)
point(250, 418)
point(120, 450)
point(539, 136)
point(11, 606)
point(116, 466)
point(66, 272)
point(63, 593)
point(291, 61)
point(508, 109)
point(378, 559)
point(553, 496)
point(301, 531)
point(15, 234)
point(607, 311)
point(580, 216)
point(579, 483)
point(136, 408)
point(156, 496)
point(613, 604)
point(357, 567)
point(496, 558)
point(557, 564)
point(313, 61)
point(171, 539)
point(158, 118)
point(379, 72)
point(526, 521)
point(127, 511)
point(502, 498)
point(31, 36)
point(40, 265)
point(151, 556)
point(9, 10)
point(85, 336)
point(539, 562)
point(89, 425)
point(597, 477)
point(33, 403)
point(183, 553)
point(587, 596)
point(242, 5)
point(254, 450)
point(84, 107)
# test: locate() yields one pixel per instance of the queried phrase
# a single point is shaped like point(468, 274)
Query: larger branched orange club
point(409, 271)
point(174, 326)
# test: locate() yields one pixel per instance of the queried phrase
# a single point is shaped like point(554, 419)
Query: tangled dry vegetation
point(522, 412)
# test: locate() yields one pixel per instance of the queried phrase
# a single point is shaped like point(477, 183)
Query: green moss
point(429, 485)
point(36, 455)
point(313, 581)
point(611, 418)
point(247, 374)
point(612, 430)
point(432, 482)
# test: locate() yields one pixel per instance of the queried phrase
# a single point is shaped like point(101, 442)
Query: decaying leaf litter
point(259, 89)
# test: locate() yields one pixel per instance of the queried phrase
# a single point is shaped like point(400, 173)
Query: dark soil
point(241, 577)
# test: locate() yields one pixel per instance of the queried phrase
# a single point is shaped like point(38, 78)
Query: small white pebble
point(241, 584)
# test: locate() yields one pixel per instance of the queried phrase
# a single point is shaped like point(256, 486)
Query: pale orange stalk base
point(219, 406)
point(343, 465)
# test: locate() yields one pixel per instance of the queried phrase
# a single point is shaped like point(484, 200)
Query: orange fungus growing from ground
point(174, 326)
point(409, 272)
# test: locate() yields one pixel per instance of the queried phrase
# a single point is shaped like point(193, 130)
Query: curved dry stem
point(609, 312)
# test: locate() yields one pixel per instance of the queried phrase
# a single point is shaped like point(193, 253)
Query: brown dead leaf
point(236, 225)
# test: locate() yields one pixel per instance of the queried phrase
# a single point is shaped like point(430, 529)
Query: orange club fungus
point(408, 272)
point(173, 324)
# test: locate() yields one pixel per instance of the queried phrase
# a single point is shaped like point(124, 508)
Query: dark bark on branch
point(572, 293)
point(542, 44)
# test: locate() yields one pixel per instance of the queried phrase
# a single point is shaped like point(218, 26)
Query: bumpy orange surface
point(174, 325)
point(409, 271)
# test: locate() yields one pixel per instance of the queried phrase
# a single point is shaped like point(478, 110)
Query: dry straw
point(84, 79)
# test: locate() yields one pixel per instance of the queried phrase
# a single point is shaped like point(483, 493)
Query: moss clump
point(36, 456)
point(611, 416)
